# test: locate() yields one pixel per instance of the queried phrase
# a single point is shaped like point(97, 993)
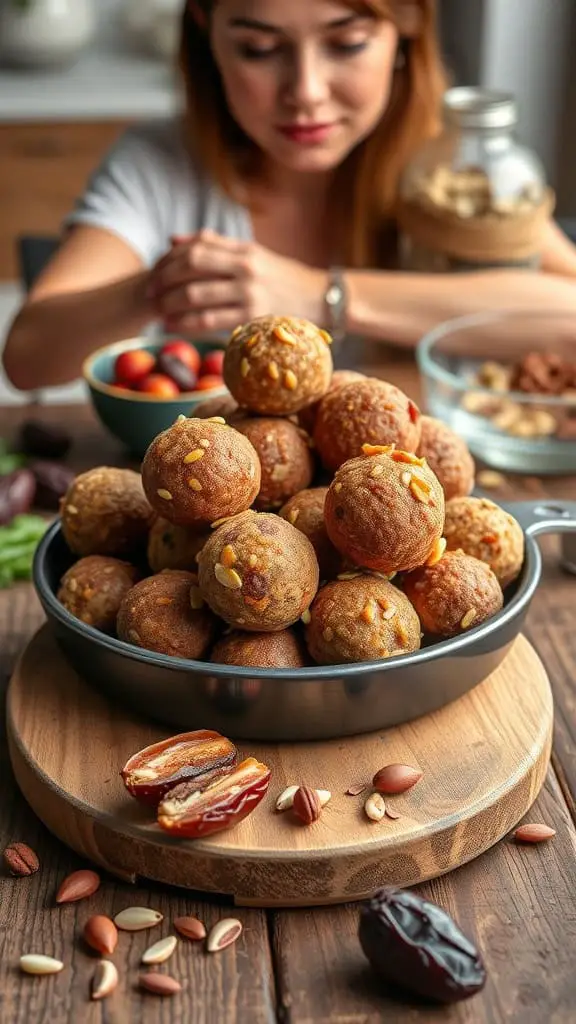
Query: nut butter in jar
point(473, 198)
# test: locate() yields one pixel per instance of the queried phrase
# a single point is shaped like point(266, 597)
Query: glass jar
point(473, 198)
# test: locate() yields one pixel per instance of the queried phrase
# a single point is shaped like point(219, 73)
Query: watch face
point(335, 299)
point(334, 295)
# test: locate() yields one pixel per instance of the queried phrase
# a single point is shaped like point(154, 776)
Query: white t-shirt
point(149, 187)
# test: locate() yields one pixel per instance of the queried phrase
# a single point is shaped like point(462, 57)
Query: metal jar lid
point(473, 107)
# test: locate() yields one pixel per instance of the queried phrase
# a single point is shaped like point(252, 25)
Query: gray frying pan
point(320, 702)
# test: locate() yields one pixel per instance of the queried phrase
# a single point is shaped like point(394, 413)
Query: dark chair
point(34, 252)
point(568, 224)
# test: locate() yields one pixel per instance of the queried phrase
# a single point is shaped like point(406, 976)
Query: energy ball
point(257, 572)
point(448, 457)
point(305, 511)
point(224, 406)
point(361, 619)
point(105, 512)
point(260, 650)
point(199, 471)
point(94, 587)
point(307, 416)
point(285, 458)
point(453, 595)
point(174, 547)
point(482, 529)
point(365, 411)
point(275, 365)
point(385, 510)
point(165, 613)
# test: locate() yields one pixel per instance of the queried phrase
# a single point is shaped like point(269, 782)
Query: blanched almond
point(136, 919)
point(223, 934)
point(160, 951)
point(375, 808)
point(104, 980)
point(78, 886)
point(286, 798)
point(37, 963)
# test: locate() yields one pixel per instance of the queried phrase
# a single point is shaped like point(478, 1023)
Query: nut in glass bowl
point(506, 383)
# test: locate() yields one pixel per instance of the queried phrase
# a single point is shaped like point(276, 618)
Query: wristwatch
point(336, 300)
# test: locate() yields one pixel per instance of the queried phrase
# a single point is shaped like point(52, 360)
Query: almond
point(101, 934)
point(533, 833)
point(190, 928)
point(438, 549)
point(306, 805)
point(160, 951)
point(286, 799)
point(78, 886)
point(377, 449)
point(20, 860)
point(160, 984)
point(136, 919)
point(324, 796)
point(375, 808)
point(37, 963)
point(396, 778)
point(104, 980)
point(223, 934)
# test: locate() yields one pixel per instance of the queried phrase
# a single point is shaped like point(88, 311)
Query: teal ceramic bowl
point(136, 419)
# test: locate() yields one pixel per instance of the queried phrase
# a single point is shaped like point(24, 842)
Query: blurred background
point(74, 73)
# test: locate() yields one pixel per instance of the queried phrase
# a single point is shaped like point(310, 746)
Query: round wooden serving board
point(484, 759)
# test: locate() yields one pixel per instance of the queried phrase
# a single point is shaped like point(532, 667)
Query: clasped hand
point(210, 283)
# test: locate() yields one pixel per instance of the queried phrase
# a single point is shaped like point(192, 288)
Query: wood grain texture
point(471, 794)
point(44, 168)
point(237, 985)
point(518, 901)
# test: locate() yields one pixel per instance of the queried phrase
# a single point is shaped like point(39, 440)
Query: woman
point(300, 118)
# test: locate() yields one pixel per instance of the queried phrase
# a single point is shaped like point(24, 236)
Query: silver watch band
point(336, 299)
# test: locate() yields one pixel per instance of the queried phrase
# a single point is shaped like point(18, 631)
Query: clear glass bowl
point(467, 368)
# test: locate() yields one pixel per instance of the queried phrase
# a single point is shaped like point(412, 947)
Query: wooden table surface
point(305, 966)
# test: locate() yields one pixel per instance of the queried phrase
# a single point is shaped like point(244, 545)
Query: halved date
point(194, 757)
point(192, 813)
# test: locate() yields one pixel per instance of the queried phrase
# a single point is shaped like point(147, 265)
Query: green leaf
point(10, 461)
point(11, 554)
point(6, 578)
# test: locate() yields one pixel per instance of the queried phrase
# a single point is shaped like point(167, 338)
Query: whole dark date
point(17, 492)
point(182, 375)
point(416, 945)
point(44, 440)
point(52, 482)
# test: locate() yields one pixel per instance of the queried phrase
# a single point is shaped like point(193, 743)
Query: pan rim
point(460, 645)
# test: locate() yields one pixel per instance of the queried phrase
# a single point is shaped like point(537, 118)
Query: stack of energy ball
point(243, 549)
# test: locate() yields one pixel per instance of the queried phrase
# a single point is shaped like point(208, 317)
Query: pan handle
point(544, 516)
